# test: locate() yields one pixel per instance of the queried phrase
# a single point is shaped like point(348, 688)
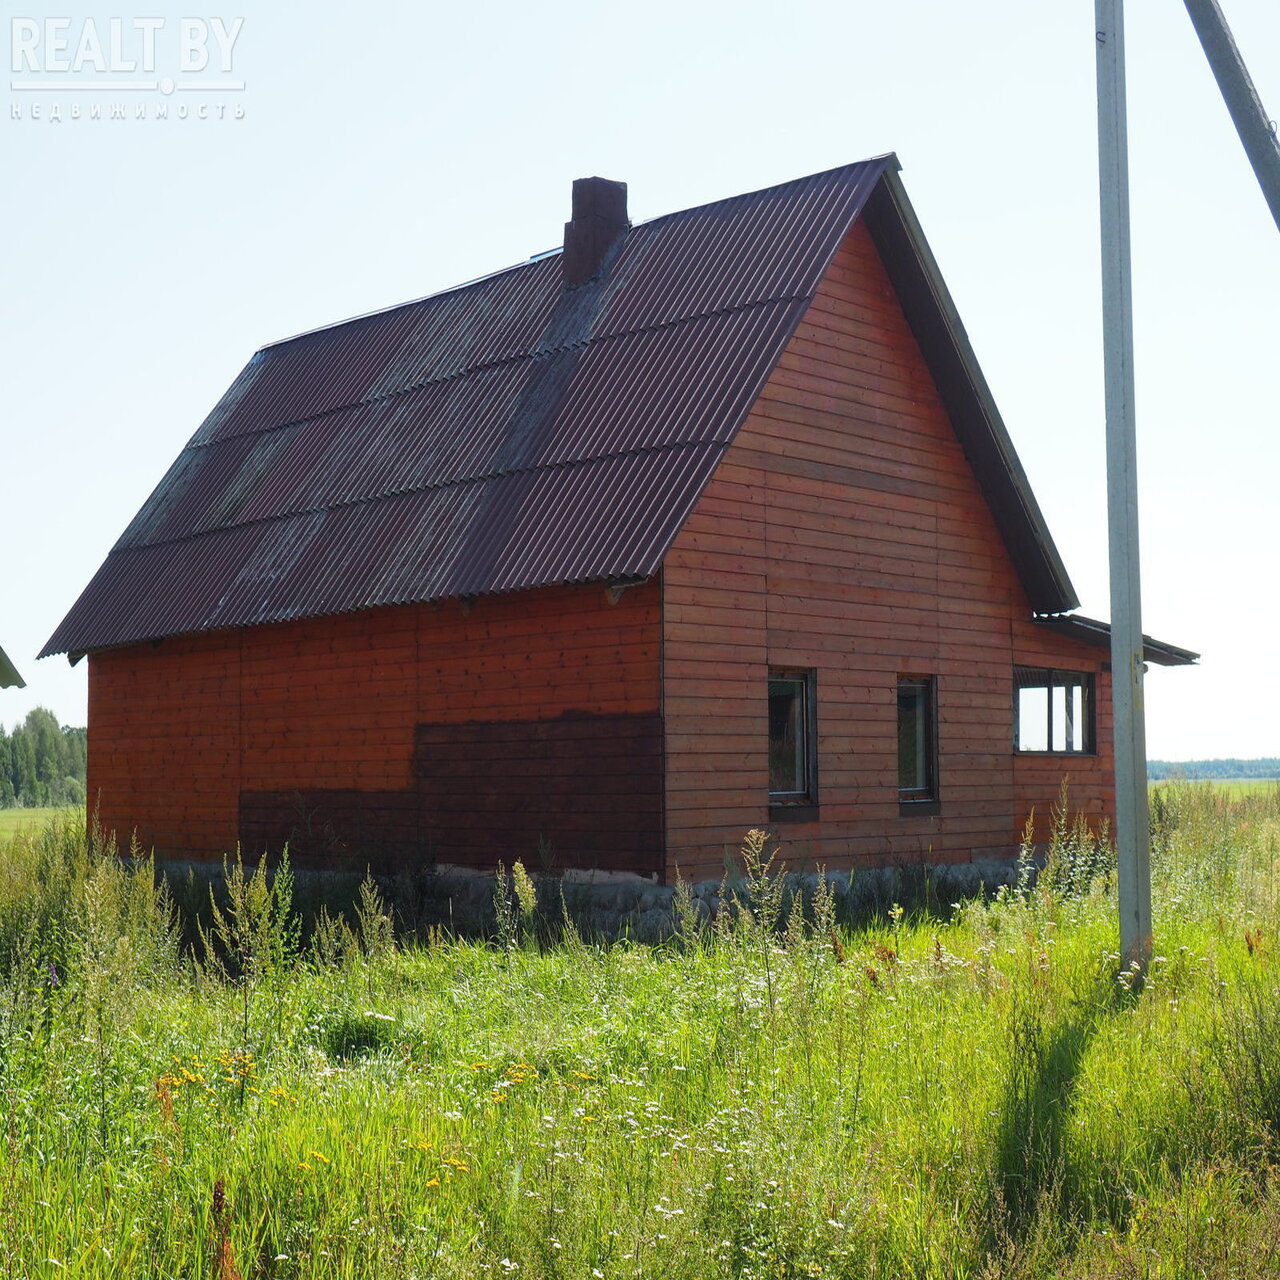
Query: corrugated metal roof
point(9, 677)
point(506, 434)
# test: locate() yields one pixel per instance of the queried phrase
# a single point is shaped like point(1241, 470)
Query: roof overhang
point(1094, 632)
point(9, 677)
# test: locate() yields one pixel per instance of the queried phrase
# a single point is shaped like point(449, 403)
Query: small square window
point(1053, 711)
point(917, 741)
point(793, 773)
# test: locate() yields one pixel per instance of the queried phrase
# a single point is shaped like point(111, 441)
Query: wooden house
point(698, 525)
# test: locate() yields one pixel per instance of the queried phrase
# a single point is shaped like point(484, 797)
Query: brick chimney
point(599, 218)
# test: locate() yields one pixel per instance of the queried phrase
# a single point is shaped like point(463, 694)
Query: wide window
point(917, 741)
point(793, 773)
point(1053, 710)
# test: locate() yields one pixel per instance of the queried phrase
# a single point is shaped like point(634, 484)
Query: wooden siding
point(845, 533)
point(335, 730)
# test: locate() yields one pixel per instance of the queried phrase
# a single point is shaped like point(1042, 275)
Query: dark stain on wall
point(581, 790)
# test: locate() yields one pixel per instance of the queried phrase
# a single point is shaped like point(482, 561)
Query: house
point(9, 677)
point(603, 559)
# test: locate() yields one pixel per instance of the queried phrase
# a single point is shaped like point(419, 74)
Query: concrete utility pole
point(1133, 837)
point(1257, 133)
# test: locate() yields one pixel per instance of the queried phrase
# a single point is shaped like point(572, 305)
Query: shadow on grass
point(1036, 1193)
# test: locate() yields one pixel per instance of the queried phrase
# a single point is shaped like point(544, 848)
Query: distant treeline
point(1157, 770)
point(42, 763)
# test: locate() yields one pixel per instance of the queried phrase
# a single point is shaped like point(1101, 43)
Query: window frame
point(1089, 733)
point(923, 801)
point(800, 805)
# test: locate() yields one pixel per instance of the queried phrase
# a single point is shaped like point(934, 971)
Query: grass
point(986, 1095)
point(14, 820)
point(1228, 786)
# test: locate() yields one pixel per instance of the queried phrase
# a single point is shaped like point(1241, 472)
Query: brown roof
point(514, 433)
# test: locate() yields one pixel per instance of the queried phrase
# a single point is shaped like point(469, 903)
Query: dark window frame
point(1089, 732)
point(920, 801)
point(799, 805)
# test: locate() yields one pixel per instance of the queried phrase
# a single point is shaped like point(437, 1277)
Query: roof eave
point(1095, 631)
point(9, 677)
point(936, 323)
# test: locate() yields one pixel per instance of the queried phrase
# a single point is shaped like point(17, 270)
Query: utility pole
point(1133, 836)
point(1257, 133)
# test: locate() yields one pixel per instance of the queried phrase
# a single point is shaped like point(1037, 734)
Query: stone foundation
point(604, 906)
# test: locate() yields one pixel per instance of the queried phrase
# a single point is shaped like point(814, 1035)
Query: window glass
point(1033, 718)
point(916, 765)
point(1058, 717)
point(1053, 710)
point(787, 736)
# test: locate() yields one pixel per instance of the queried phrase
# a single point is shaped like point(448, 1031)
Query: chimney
point(599, 218)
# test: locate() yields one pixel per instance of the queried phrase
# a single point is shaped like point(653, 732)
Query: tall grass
point(773, 1096)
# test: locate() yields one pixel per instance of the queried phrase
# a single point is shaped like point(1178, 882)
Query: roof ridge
point(401, 306)
point(546, 254)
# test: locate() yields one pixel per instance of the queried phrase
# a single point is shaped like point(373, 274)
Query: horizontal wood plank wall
point(164, 743)
point(179, 730)
point(845, 533)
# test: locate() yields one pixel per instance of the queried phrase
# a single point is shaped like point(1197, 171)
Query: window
point(917, 743)
point(793, 766)
point(1052, 710)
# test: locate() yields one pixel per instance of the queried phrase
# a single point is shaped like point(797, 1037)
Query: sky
point(374, 157)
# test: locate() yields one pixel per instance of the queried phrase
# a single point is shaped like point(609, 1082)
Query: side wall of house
point(845, 534)
point(527, 726)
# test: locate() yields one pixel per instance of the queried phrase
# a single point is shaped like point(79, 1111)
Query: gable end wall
point(846, 533)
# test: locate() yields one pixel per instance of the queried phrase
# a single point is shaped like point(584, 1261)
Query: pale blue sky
point(385, 156)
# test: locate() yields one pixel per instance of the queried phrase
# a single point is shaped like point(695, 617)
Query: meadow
point(14, 820)
point(986, 1092)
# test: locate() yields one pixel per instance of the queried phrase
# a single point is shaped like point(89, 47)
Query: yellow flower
point(433, 1182)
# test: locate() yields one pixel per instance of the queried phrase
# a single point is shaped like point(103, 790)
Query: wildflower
point(51, 979)
point(319, 1155)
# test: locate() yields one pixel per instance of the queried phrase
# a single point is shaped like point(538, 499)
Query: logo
point(66, 68)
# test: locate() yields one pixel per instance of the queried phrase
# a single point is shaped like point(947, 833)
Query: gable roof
point(512, 433)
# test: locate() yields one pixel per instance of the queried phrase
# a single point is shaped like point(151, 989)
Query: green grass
point(15, 820)
point(982, 1096)
point(1229, 786)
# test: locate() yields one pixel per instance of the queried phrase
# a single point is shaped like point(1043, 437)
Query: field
point(783, 1096)
point(15, 820)
point(1229, 786)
